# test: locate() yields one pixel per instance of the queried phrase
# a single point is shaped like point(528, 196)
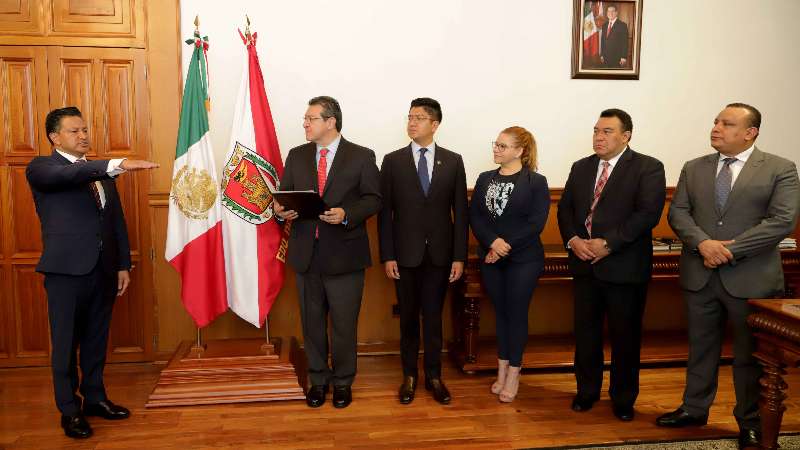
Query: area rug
point(786, 442)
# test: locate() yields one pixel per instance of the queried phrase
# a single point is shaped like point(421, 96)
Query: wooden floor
point(540, 417)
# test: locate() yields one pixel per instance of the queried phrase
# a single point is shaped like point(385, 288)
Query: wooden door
point(109, 87)
point(24, 339)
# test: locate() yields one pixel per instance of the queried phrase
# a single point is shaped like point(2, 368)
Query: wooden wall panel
point(117, 99)
point(126, 338)
point(21, 89)
point(101, 23)
point(6, 315)
point(30, 305)
point(24, 17)
point(26, 230)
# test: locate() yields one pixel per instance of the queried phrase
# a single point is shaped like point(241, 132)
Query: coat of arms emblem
point(247, 183)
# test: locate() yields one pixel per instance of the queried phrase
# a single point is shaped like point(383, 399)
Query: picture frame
point(602, 53)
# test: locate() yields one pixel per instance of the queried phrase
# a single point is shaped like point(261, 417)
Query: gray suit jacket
point(761, 210)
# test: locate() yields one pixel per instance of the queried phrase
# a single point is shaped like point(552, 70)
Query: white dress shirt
point(429, 156)
point(112, 170)
point(736, 166)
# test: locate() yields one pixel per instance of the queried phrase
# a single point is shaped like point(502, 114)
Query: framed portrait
point(606, 39)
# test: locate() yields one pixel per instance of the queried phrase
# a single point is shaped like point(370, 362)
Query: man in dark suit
point(730, 209)
point(85, 261)
point(610, 204)
point(423, 236)
point(329, 253)
point(614, 40)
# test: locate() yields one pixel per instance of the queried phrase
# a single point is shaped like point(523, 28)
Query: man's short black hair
point(430, 106)
point(625, 118)
point(330, 108)
point(52, 124)
point(754, 116)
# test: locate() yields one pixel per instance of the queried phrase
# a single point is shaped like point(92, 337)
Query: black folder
point(307, 204)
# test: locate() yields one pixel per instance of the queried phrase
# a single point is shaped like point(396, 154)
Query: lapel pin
point(438, 162)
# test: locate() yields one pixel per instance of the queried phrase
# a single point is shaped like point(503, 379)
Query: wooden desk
point(471, 354)
point(776, 326)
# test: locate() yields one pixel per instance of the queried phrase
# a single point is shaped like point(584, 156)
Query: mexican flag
point(194, 230)
point(591, 32)
point(255, 243)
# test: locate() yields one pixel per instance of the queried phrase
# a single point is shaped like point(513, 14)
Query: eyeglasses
point(417, 118)
point(501, 146)
point(311, 119)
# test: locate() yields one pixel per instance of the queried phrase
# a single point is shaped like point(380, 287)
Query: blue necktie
point(724, 181)
point(422, 171)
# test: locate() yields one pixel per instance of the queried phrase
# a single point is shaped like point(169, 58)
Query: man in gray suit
point(731, 210)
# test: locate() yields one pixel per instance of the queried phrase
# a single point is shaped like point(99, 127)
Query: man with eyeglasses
point(423, 230)
point(611, 202)
point(329, 253)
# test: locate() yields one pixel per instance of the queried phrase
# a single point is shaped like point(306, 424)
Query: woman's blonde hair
point(524, 139)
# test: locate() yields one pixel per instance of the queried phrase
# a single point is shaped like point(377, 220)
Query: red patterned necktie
point(608, 30)
point(322, 176)
point(93, 188)
point(598, 189)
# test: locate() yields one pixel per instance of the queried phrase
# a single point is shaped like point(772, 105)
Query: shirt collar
point(613, 161)
point(415, 147)
point(69, 157)
point(332, 147)
point(741, 156)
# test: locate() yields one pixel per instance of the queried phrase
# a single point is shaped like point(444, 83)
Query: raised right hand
point(137, 164)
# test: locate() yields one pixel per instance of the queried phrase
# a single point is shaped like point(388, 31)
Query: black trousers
point(623, 305)
point(339, 296)
point(510, 286)
point(421, 289)
point(79, 309)
point(707, 310)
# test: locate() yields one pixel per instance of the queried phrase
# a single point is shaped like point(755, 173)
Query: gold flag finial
point(247, 28)
point(197, 22)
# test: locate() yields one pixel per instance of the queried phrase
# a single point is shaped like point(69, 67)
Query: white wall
point(502, 63)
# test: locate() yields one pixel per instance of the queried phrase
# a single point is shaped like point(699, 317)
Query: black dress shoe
point(76, 426)
point(680, 418)
point(623, 413)
point(407, 389)
point(107, 410)
point(582, 404)
point(749, 439)
point(315, 396)
point(439, 390)
point(342, 396)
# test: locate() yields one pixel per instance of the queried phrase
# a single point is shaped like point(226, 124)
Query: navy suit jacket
point(76, 234)
point(409, 219)
point(522, 221)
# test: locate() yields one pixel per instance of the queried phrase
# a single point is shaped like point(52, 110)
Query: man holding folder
point(329, 253)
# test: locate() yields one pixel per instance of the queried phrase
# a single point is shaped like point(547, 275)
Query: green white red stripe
point(194, 231)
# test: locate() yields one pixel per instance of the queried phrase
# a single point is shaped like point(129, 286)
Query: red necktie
point(322, 176)
point(608, 30)
point(322, 170)
point(598, 189)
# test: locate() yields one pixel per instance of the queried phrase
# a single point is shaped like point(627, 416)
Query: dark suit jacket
point(73, 229)
point(629, 207)
point(353, 184)
point(761, 210)
point(522, 220)
point(409, 219)
point(615, 46)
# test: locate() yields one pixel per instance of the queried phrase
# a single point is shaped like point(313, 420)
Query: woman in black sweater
point(507, 214)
